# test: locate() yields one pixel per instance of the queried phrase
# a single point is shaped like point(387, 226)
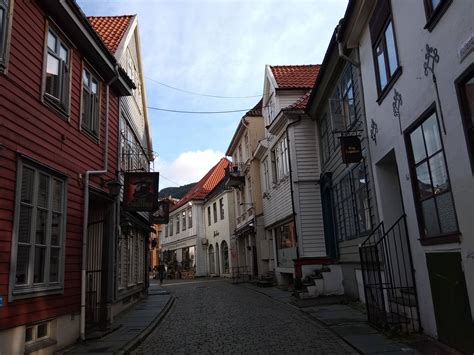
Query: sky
point(217, 48)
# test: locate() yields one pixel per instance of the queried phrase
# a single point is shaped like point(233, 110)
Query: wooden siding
point(32, 128)
point(348, 250)
point(130, 105)
point(305, 166)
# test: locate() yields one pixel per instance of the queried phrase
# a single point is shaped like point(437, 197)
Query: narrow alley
point(215, 316)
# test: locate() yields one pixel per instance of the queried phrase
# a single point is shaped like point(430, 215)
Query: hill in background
point(176, 192)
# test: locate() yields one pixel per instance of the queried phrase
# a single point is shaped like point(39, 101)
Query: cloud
point(188, 167)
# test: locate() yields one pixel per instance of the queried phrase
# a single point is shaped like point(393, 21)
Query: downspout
point(340, 47)
point(298, 273)
point(87, 175)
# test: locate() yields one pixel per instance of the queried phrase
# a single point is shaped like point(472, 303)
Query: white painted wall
point(418, 93)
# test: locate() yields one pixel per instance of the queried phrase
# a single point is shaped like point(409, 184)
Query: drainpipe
point(340, 47)
point(87, 175)
point(298, 269)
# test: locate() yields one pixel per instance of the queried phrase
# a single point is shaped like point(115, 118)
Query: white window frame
point(62, 102)
point(280, 159)
point(221, 208)
point(183, 220)
point(190, 218)
point(30, 288)
point(266, 175)
point(90, 102)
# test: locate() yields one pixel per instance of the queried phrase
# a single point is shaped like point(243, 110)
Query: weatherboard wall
point(31, 128)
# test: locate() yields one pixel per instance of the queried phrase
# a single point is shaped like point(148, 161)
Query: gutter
point(291, 186)
point(85, 219)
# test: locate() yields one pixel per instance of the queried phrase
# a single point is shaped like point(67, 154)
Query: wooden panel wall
point(32, 128)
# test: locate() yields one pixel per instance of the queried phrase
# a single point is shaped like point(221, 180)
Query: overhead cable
point(198, 94)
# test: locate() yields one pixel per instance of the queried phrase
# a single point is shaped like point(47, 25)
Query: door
point(450, 300)
point(328, 215)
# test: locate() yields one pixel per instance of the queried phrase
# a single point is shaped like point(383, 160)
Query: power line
point(198, 94)
point(174, 182)
point(197, 112)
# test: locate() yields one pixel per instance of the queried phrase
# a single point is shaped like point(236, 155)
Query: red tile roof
point(301, 103)
point(205, 185)
point(111, 29)
point(256, 111)
point(295, 76)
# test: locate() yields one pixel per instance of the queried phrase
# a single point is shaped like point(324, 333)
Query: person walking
point(161, 272)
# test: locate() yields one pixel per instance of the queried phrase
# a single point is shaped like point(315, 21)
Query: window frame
point(183, 220)
point(208, 215)
point(5, 34)
point(280, 159)
point(190, 217)
point(221, 208)
point(466, 115)
point(449, 237)
point(433, 15)
point(94, 120)
point(63, 103)
point(379, 23)
point(46, 287)
point(348, 225)
point(214, 211)
point(171, 226)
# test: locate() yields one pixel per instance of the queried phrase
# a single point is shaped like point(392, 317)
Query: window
point(286, 244)
point(39, 230)
point(352, 204)
point(170, 225)
point(38, 336)
point(214, 210)
point(177, 224)
point(384, 46)
point(209, 215)
point(324, 138)
point(190, 218)
point(280, 159)
point(166, 230)
point(266, 174)
point(432, 189)
point(465, 89)
point(221, 207)
point(183, 219)
point(434, 10)
point(247, 147)
point(57, 72)
point(90, 103)
point(4, 23)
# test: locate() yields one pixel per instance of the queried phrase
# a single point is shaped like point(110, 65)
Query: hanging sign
point(351, 149)
point(162, 214)
point(141, 192)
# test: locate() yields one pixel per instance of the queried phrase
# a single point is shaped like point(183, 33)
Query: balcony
point(235, 175)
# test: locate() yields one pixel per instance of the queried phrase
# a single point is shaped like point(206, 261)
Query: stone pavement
point(130, 327)
point(352, 326)
point(217, 317)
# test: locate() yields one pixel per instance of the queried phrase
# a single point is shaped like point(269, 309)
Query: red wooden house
point(59, 132)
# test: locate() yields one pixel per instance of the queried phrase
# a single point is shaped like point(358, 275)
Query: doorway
point(450, 300)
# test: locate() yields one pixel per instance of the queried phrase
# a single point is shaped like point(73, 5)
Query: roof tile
point(256, 110)
point(111, 29)
point(206, 184)
point(295, 76)
point(301, 103)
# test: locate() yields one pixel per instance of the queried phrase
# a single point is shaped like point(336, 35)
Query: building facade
point(130, 250)
point(417, 70)
point(347, 189)
point(185, 246)
point(219, 230)
point(254, 250)
point(59, 99)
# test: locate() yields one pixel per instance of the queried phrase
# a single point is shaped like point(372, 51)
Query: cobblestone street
point(214, 316)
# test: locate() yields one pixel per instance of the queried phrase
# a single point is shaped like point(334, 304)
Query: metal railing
point(389, 281)
point(240, 274)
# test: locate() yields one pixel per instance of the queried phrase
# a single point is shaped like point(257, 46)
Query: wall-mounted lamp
point(114, 187)
point(126, 226)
